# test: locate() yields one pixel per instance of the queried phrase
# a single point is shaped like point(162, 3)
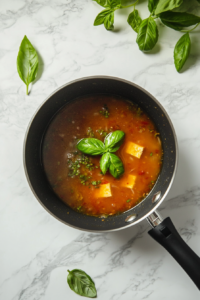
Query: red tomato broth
point(82, 118)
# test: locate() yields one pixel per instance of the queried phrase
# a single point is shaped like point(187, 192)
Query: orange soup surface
point(77, 178)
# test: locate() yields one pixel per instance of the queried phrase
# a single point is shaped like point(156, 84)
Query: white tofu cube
point(134, 149)
point(103, 191)
point(128, 181)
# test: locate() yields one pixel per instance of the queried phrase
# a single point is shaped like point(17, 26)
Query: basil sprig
point(108, 160)
point(81, 283)
point(147, 30)
point(27, 62)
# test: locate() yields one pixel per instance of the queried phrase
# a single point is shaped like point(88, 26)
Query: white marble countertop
point(35, 249)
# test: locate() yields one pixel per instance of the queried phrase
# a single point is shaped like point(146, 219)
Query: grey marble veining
point(35, 249)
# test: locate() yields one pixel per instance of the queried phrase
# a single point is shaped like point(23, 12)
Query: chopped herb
point(78, 208)
point(96, 183)
point(85, 160)
point(102, 132)
point(139, 112)
point(105, 111)
point(73, 168)
point(151, 154)
point(151, 184)
point(90, 132)
point(83, 179)
point(77, 164)
point(128, 200)
point(132, 107)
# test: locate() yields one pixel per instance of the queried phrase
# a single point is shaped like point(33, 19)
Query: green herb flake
point(90, 132)
point(128, 200)
point(83, 179)
point(105, 111)
point(151, 154)
point(102, 132)
point(139, 112)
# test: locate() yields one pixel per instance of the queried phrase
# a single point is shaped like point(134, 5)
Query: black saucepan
point(163, 231)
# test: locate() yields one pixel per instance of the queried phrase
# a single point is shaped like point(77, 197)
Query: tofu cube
point(129, 181)
point(103, 191)
point(134, 149)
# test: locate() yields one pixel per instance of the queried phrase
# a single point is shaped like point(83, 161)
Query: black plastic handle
point(167, 236)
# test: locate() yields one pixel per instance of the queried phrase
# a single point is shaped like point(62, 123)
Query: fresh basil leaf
point(178, 20)
point(147, 35)
point(105, 17)
point(91, 146)
point(182, 51)
point(172, 25)
point(27, 62)
point(103, 3)
point(114, 140)
point(134, 20)
point(105, 162)
point(81, 283)
point(114, 3)
point(109, 21)
point(152, 4)
point(116, 167)
point(165, 5)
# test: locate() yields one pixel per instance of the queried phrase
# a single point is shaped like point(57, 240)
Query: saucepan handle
point(166, 235)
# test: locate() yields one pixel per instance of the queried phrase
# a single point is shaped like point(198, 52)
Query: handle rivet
point(131, 218)
point(156, 197)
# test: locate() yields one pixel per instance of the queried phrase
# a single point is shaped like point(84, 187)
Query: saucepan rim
point(129, 83)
